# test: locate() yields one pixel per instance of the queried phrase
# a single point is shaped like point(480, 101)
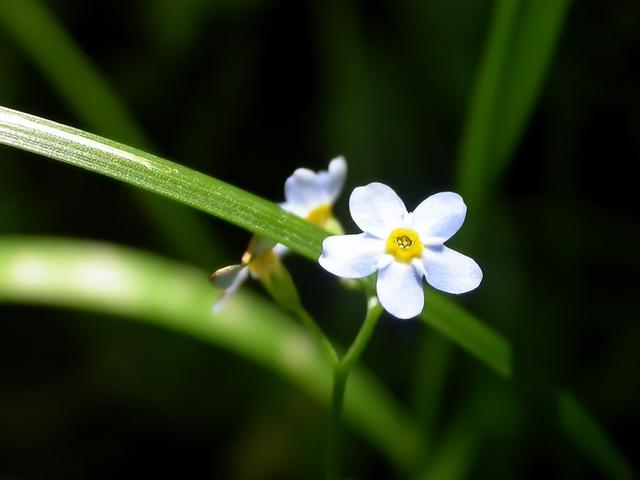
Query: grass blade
point(494, 350)
point(521, 42)
point(158, 175)
point(95, 103)
point(590, 437)
point(104, 278)
point(467, 331)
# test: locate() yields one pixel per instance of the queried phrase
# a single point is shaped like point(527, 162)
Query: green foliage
point(97, 105)
point(161, 176)
point(264, 218)
point(521, 41)
point(105, 278)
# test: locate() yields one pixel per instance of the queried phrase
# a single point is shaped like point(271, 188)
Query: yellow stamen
point(404, 244)
point(320, 215)
point(262, 263)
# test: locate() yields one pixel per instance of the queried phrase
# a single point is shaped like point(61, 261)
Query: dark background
point(249, 90)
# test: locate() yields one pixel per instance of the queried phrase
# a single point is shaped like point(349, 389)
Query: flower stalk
point(340, 377)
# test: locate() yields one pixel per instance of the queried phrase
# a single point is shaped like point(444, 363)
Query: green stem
point(319, 336)
point(334, 446)
point(340, 376)
point(278, 282)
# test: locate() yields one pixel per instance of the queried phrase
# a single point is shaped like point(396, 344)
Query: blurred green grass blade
point(75, 79)
point(531, 51)
point(349, 101)
point(494, 350)
point(467, 331)
point(105, 278)
point(521, 41)
point(429, 380)
point(591, 438)
point(87, 93)
point(453, 458)
point(158, 175)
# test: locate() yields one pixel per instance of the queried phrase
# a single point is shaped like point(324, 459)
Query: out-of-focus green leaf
point(494, 350)
point(468, 332)
point(83, 88)
point(88, 94)
point(521, 41)
point(158, 175)
point(110, 279)
point(590, 437)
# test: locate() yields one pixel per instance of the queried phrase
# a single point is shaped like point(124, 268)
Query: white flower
point(309, 195)
point(403, 247)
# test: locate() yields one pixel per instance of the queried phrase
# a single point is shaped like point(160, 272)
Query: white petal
point(234, 279)
point(450, 271)
point(351, 256)
point(298, 209)
point(225, 276)
point(305, 190)
point(441, 215)
point(337, 177)
point(259, 245)
point(280, 250)
point(400, 291)
point(376, 209)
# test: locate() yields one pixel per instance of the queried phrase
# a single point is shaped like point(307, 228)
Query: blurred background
point(249, 90)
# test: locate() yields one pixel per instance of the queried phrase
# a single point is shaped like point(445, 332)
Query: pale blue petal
point(280, 250)
point(305, 190)
point(295, 208)
point(400, 291)
point(440, 216)
point(377, 209)
point(351, 256)
point(231, 279)
point(336, 178)
point(450, 271)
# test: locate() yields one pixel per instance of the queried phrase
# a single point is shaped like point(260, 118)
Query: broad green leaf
point(106, 278)
point(158, 175)
point(521, 41)
point(262, 217)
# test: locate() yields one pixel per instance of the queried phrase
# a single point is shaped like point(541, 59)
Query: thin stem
point(364, 335)
point(334, 447)
point(318, 335)
point(340, 376)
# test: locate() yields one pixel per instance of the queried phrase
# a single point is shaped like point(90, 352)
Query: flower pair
point(309, 195)
point(403, 247)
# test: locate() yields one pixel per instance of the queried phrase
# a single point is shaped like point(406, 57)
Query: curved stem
point(340, 376)
point(374, 309)
point(319, 336)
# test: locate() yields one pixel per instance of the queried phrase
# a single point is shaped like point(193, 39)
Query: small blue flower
point(403, 247)
point(309, 195)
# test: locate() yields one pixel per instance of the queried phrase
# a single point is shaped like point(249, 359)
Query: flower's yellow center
point(260, 264)
point(404, 244)
point(320, 215)
point(259, 257)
